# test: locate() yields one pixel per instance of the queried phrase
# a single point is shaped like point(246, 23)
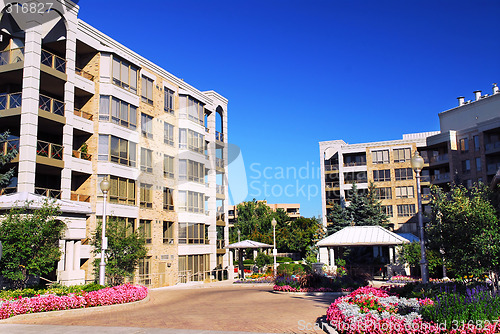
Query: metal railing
point(51, 105)
point(357, 163)
point(82, 155)
point(219, 163)
point(439, 158)
point(9, 146)
point(355, 181)
point(441, 177)
point(331, 185)
point(219, 136)
point(83, 114)
point(11, 56)
point(331, 168)
point(492, 146)
point(9, 101)
point(49, 150)
point(221, 216)
point(8, 190)
point(220, 243)
point(80, 197)
point(52, 193)
point(84, 74)
point(493, 167)
point(53, 61)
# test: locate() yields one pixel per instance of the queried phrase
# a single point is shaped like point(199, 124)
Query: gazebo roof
point(363, 236)
point(248, 244)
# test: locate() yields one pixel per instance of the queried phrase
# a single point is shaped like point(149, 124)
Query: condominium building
point(80, 107)
point(292, 210)
point(465, 150)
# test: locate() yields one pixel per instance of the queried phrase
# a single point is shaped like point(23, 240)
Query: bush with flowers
point(372, 310)
point(312, 282)
point(120, 294)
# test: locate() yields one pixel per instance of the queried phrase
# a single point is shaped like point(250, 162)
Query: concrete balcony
point(49, 154)
point(52, 193)
point(441, 178)
point(12, 59)
point(84, 81)
point(10, 104)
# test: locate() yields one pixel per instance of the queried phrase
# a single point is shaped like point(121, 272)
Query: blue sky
point(300, 72)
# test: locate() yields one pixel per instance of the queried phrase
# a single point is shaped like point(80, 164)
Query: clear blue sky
point(300, 72)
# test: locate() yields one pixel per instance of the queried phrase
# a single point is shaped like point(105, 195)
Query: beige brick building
point(80, 106)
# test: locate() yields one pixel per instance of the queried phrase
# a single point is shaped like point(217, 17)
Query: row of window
point(399, 173)
point(399, 155)
point(401, 192)
point(463, 144)
point(404, 210)
point(466, 165)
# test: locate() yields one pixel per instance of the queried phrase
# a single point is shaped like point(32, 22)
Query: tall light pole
point(239, 234)
point(275, 251)
point(105, 185)
point(417, 163)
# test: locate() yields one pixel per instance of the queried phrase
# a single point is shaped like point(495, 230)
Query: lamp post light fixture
point(275, 251)
point(105, 185)
point(417, 163)
point(239, 234)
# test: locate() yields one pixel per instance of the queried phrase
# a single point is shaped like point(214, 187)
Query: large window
point(380, 157)
point(382, 175)
point(478, 165)
point(192, 171)
point(193, 233)
point(169, 101)
point(168, 134)
point(402, 154)
point(145, 271)
point(406, 210)
point(117, 111)
point(146, 125)
point(121, 191)
point(168, 232)
point(117, 150)
point(168, 166)
point(194, 267)
point(463, 145)
point(168, 199)
point(191, 140)
point(146, 160)
point(124, 75)
point(387, 209)
point(466, 166)
point(383, 193)
point(403, 174)
point(147, 90)
point(146, 195)
point(476, 143)
point(191, 201)
point(404, 192)
point(128, 224)
point(195, 111)
point(145, 230)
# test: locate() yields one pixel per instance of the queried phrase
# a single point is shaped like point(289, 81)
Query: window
point(168, 232)
point(406, 210)
point(404, 192)
point(463, 144)
point(197, 266)
point(192, 233)
point(168, 199)
point(192, 171)
point(191, 201)
point(146, 195)
point(195, 111)
point(478, 165)
point(121, 191)
point(146, 125)
point(117, 150)
point(145, 230)
point(402, 154)
point(382, 175)
point(476, 143)
point(380, 157)
point(383, 193)
point(124, 75)
point(403, 174)
point(121, 222)
point(117, 111)
point(355, 160)
point(466, 166)
point(146, 90)
point(168, 166)
point(169, 101)
point(146, 160)
point(191, 140)
point(387, 209)
point(168, 134)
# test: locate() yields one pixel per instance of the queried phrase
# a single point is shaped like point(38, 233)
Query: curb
point(79, 311)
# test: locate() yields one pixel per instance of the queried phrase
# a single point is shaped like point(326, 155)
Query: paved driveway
point(213, 307)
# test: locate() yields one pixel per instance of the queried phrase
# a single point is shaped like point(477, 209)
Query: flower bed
point(288, 288)
point(372, 310)
point(256, 278)
point(108, 296)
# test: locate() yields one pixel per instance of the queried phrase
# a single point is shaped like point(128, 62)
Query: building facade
point(292, 210)
point(466, 150)
point(80, 107)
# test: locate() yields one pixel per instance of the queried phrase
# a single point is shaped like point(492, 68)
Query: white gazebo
point(353, 236)
point(244, 245)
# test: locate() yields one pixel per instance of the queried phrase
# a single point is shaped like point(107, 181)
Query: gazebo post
point(332, 258)
point(240, 264)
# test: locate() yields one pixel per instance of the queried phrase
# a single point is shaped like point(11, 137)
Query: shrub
point(291, 269)
point(283, 259)
point(248, 261)
point(262, 259)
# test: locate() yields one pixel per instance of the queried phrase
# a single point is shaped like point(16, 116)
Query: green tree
point(125, 249)
point(464, 224)
point(6, 158)
point(410, 253)
point(30, 240)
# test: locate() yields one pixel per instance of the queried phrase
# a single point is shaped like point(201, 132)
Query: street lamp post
point(105, 185)
point(417, 163)
point(275, 252)
point(239, 234)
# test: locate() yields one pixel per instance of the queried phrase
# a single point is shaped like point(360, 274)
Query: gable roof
point(363, 236)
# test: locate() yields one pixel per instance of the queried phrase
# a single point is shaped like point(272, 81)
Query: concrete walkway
point(193, 308)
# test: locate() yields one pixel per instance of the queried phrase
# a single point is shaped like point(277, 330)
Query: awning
point(363, 236)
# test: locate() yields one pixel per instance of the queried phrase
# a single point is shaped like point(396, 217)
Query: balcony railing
point(83, 114)
point(439, 158)
point(52, 193)
point(355, 163)
point(9, 101)
point(11, 56)
point(441, 177)
point(80, 197)
point(356, 181)
point(220, 189)
point(82, 155)
point(51, 105)
point(493, 167)
point(219, 163)
point(219, 136)
point(492, 146)
point(221, 216)
point(9, 146)
point(53, 61)
point(8, 190)
point(84, 74)
point(49, 150)
point(168, 207)
point(331, 168)
point(425, 178)
point(331, 185)
point(221, 244)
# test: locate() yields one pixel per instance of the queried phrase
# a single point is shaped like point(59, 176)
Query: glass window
point(195, 110)
point(403, 174)
point(146, 160)
point(117, 150)
point(476, 143)
point(146, 194)
point(466, 166)
point(168, 200)
point(383, 193)
point(380, 157)
point(118, 112)
point(124, 74)
point(146, 125)
point(168, 134)
point(402, 154)
point(168, 232)
point(182, 169)
point(382, 175)
point(404, 192)
point(478, 165)
point(192, 233)
point(169, 101)
point(463, 144)
point(406, 210)
point(122, 190)
point(145, 230)
point(387, 209)
point(147, 90)
point(168, 166)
